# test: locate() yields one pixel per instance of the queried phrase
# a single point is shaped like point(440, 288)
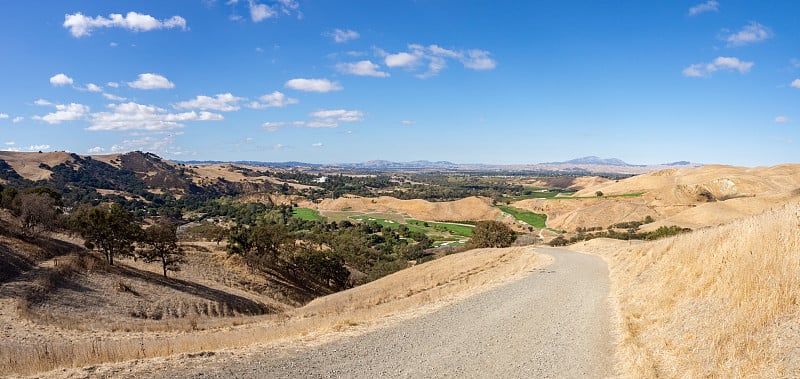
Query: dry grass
point(718, 302)
point(407, 292)
point(470, 209)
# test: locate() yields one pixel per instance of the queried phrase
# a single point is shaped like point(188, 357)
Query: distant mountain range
point(582, 166)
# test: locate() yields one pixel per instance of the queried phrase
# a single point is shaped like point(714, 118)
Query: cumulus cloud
point(18, 119)
point(781, 119)
point(313, 85)
point(362, 68)
point(341, 36)
point(435, 58)
point(161, 143)
point(318, 144)
point(402, 60)
point(113, 97)
point(3, 116)
point(82, 26)
point(42, 102)
point(224, 102)
point(38, 147)
point(65, 112)
point(796, 83)
point(260, 12)
point(113, 84)
point(280, 146)
point(720, 63)
point(59, 80)
point(95, 150)
point(319, 119)
point(151, 81)
point(708, 6)
point(133, 116)
point(752, 33)
point(338, 115)
point(91, 87)
point(273, 100)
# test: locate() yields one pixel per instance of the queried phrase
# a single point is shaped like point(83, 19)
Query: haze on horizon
point(330, 82)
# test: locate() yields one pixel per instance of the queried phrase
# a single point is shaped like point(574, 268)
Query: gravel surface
point(553, 323)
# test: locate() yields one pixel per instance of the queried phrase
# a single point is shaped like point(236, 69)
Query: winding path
point(553, 323)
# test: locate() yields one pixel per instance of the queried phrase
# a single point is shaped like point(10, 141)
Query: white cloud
point(273, 126)
point(113, 97)
point(781, 119)
point(113, 84)
point(10, 143)
point(95, 150)
point(408, 122)
point(65, 112)
point(113, 44)
point(82, 26)
point(720, 63)
point(478, 60)
point(708, 6)
point(151, 81)
point(436, 58)
point(42, 102)
point(752, 33)
point(362, 68)
point(224, 102)
point(133, 116)
point(91, 87)
point(280, 146)
point(401, 60)
point(318, 144)
point(18, 119)
point(313, 85)
point(60, 80)
point(3, 116)
point(38, 147)
point(260, 12)
point(161, 143)
point(338, 115)
point(796, 83)
point(273, 100)
point(319, 119)
point(341, 36)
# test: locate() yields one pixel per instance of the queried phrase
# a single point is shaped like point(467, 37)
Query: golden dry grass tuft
point(718, 302)
point(408, 292)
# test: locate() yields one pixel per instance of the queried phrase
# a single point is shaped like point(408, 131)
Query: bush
point(492, 234)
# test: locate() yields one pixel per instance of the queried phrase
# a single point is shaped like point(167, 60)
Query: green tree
point(108, 228)
point(492, 234)
point(160, 243)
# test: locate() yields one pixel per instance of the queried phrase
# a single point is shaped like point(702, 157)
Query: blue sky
point(348, 81)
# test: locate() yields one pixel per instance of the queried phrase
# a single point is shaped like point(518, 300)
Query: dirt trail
point(554, 322)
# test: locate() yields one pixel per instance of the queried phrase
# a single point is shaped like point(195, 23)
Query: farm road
point(553, 323)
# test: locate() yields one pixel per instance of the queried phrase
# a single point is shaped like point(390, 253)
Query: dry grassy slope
point(692, 197)
point(468, 209)
point(27, 164)
point(727, 304)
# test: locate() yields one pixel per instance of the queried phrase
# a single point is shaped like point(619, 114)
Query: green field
point(461, 230)
point(535, 219)
point(538, 193)
point(306, 214)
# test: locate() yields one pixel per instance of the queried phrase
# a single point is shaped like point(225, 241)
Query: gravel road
point(552, 323)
